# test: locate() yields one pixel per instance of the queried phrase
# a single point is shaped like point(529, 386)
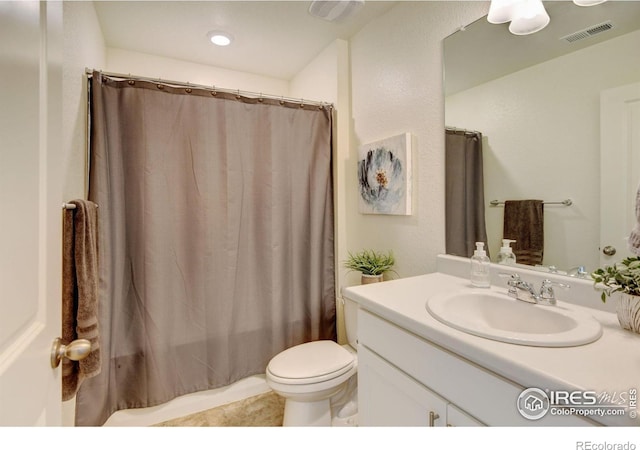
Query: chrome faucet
point(579, 272)
point(546, 296)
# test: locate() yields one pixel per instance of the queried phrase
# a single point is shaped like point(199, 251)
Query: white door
point(619, 169)
point(30, 210)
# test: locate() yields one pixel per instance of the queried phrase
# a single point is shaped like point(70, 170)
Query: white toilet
point(309, 375)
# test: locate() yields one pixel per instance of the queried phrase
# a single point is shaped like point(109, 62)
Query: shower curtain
point(216, 214)
point(464, 192)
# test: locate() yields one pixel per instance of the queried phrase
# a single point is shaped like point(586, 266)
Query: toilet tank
point(350, 312)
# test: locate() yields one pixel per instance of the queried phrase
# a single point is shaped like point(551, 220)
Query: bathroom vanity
point(416, 370)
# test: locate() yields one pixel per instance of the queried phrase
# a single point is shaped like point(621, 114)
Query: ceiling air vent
point(335, 11)
point(588, 32)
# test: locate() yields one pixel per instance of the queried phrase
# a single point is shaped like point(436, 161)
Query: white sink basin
point(494, 315)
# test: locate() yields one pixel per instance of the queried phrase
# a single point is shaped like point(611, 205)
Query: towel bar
point(567, 202)
point(70, 206)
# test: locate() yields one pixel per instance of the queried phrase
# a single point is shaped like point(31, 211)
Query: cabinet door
point(389, 397)
point(458, 418)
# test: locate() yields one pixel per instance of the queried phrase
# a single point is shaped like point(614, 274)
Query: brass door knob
point(75, 351)
point(609, 250)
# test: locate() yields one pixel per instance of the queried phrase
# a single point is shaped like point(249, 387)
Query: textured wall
point(318, 80)
point(142, 64)
point(396, 64)
point(83, 48)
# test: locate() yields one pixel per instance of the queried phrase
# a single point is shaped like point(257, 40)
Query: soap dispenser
point(480, 265)
point(506, 255)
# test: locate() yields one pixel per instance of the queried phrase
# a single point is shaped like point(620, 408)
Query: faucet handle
point(546, 290)
point(512, 276)
point(548, 283)
point(514, 280)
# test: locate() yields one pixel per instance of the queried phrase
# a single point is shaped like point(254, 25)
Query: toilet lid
point(311, 360)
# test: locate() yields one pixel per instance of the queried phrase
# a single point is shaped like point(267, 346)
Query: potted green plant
point(371, 264)
point(622, 280)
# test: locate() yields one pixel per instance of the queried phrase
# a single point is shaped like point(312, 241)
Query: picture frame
point(384, 176)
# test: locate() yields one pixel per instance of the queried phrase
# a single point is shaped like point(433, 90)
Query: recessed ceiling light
point(219, 38)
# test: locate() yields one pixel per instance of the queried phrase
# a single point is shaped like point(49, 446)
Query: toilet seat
point(310, 363)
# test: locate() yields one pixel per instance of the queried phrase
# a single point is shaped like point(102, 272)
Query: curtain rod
point(567, 202)
point(212, 88)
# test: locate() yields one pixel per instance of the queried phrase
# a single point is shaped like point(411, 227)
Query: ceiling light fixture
point(588, 2)
point(219, 38)
point(501, 11)
point(526, 16)
point(530, 17)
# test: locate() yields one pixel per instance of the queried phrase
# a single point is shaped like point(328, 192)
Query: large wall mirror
point(537, 101)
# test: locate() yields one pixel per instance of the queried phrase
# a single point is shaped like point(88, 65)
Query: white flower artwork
point(384, 176)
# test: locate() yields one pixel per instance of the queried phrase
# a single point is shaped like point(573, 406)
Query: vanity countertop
point(609, 365)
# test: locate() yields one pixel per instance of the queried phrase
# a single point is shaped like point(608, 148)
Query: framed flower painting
point(384, 176)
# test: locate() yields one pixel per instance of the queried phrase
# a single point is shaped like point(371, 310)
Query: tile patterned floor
point(264, 410)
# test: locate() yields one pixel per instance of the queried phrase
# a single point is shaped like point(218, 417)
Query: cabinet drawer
point(481, 393)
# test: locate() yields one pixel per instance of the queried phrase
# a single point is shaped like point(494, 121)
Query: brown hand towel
point(524, 223)
point(80, 292)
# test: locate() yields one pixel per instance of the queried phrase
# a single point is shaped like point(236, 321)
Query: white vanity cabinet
point(405, 380)
point(389, 397)
point(458, 418)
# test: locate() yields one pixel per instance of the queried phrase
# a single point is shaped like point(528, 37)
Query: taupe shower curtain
point(464, 192)
point(216, 214)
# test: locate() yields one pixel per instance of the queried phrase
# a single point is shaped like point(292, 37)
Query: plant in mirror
point(546, 105)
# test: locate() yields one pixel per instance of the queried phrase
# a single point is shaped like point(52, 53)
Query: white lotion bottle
point(480, 265)
point(506, 255)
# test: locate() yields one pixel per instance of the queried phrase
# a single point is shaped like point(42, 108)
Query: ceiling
point(279, 38)
point(493, 52)
point(271, 38)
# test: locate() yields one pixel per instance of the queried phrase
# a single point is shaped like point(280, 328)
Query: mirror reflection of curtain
point(464, 192)
point(216, 221)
